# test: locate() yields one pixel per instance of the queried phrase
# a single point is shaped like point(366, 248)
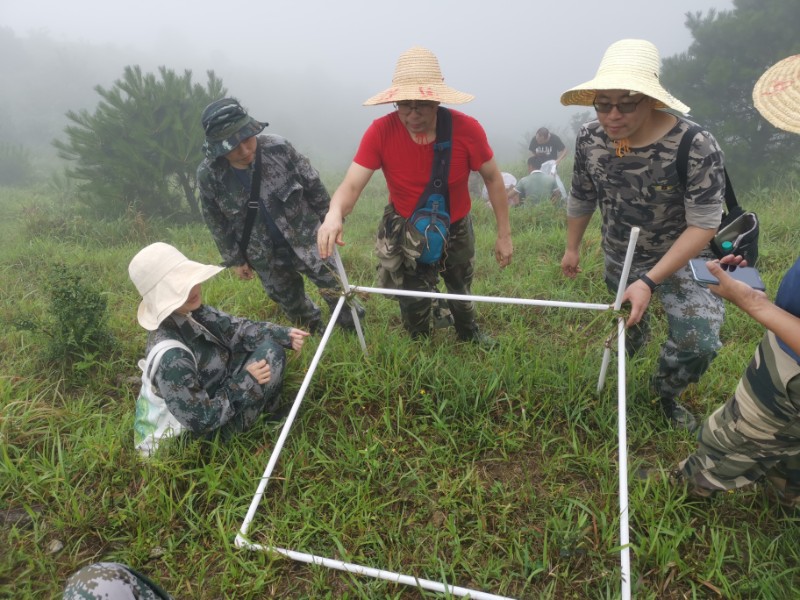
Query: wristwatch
point(649, 282)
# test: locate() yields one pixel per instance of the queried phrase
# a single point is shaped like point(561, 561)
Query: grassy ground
point(491, 470)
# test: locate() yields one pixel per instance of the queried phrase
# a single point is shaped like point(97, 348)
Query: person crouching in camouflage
point(229, 370)
point(111, 581)
point(625, 164)
point(279, 243)
point(756, 434)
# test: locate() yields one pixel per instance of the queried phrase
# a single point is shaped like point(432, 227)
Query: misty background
point(307, 66)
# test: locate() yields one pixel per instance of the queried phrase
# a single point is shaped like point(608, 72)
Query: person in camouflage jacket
point(625, 164)
point(230, 370)
point(282, 244)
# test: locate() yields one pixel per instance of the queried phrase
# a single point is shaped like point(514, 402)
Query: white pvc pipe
point(622, 426)
point(353, 311)
point(370, 572)
point(241, 540)
point(623, 285)
point(471, 298)
point(273, 459)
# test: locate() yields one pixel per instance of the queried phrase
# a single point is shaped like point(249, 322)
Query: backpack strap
point(442, 149)
point(682, 166)
point(253, 203)
point(157, 352)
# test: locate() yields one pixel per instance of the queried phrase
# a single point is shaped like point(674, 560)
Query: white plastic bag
point(153, 420)
point(550, 167)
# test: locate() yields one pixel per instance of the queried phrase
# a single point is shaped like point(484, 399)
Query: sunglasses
point(623, 107)
point(421, 106)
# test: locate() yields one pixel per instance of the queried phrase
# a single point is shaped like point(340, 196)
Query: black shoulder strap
point(442, 148)
point(253, 203)
point(682, 166)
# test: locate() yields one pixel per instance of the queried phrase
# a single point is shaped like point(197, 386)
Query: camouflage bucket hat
point(227, 125)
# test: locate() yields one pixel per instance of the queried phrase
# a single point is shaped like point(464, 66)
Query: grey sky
point(307, 65)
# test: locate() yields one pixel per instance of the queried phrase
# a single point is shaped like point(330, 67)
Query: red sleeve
point(368, 153)
point(470, 151)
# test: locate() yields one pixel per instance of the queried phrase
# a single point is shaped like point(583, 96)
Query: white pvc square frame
point(241, 537)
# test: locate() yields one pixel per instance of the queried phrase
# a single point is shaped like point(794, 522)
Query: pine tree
point(141, 146)
point(731, 50)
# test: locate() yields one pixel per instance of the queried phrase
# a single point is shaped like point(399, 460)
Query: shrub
point(75, 325)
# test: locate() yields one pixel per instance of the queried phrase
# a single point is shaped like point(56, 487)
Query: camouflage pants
point(282, 278)
point(456, 269)
point(101, 581)
point(246, 416)
point(694, 318)
point(755, 434)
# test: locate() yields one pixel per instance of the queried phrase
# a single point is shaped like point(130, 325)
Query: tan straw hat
point(777, 94)
point(164, 278)
point(632, 65)
point(417, 76)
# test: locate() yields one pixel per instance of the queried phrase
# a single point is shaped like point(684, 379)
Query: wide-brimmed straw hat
point(227, 125)
point(417, 76)
point(632, 65)
point(776, 94)
point(164, 278)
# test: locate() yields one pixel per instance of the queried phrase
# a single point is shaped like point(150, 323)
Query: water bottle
point(727, 247)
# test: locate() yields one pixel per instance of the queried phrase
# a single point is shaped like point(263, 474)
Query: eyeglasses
point(405, 108)
point(623, 107)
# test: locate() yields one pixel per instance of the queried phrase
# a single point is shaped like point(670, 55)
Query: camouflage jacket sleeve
point(317, 196)
point(582, 199)
point(287, 172)
point(199, 388)
point(240, 334)
point(705, 182)
point(213, 193)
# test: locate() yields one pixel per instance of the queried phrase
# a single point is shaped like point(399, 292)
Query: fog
point(306, 66)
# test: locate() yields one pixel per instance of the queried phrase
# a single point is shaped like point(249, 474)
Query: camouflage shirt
point(642, 189)
point(291, 190)
point(206, 396)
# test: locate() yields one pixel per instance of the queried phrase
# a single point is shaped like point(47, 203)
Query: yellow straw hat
point(417, 76)
point(776, 94)
point(632, 65)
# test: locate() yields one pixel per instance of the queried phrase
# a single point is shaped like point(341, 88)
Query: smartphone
point(703, 276)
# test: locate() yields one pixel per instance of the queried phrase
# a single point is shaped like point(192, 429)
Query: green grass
point(495, 471)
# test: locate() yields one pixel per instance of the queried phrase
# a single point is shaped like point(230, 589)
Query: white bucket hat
point(417, 76)
point(632, 65)
point(776, 94)
point(164, 278)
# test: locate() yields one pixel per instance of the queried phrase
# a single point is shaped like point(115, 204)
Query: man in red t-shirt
point(401, 144)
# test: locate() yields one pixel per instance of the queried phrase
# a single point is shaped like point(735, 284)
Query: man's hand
point(638, 294)
point(569, 264)
point(503, 251)
point(330, 233)
point(243, 271)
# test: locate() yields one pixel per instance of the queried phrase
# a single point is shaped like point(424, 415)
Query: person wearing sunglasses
point(401, 143)
point(625, 164)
